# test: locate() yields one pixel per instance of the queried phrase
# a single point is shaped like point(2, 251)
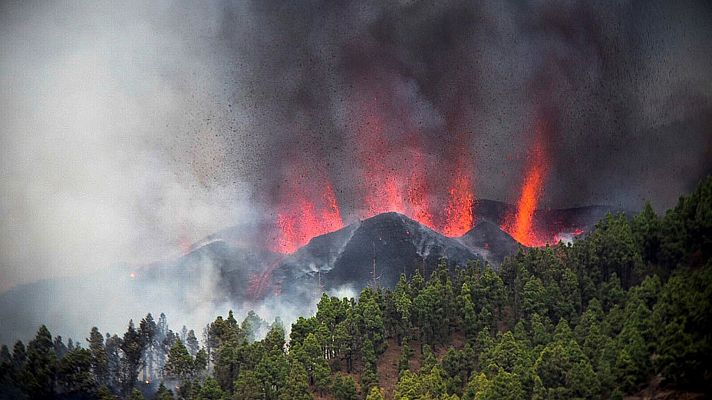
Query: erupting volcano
point(393, 175)
point(389, 168)
point(394, 179)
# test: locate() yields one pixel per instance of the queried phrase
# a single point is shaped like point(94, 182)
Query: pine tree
point(248, 387)
point(112, 345)
point(275, 336)
point(132, 346)
point(180, 364)
point(18, 360)
point(200, 362)
point(41, 366)
point(105, 394)
point(297, 387)
point(469, 313)
point(344, 388)
point(534, 298)
point(210, 391)
point(191, 343)
point(75, 375)
point(60, 349)
point(403, 307)
point(272, 371)
point(148, 330)
point(681, 319)
point(405, 356)
point(375, 393)
point(163, 393)
point(100, 361)
point(136, 395)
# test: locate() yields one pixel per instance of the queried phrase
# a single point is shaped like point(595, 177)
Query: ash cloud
point(130, 130)
point(625, 87)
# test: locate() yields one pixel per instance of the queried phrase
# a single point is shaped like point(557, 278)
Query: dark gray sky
point(129, 128)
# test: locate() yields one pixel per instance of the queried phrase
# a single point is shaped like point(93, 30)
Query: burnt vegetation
point(626, 310)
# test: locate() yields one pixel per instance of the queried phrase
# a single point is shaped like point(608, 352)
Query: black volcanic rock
point(345, 258)
point(487, 239)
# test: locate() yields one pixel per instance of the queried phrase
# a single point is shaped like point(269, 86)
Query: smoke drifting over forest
point(131, 130)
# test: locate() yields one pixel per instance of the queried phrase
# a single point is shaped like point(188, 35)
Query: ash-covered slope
point(229, 269)
point(488, 240)
point(345, 259)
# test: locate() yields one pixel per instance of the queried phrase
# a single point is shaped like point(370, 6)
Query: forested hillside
point(626, 310)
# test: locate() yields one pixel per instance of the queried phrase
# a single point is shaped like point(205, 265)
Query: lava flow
point(521, 225)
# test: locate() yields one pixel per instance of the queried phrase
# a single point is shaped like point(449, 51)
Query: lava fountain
point(458, 213)
point(521, 225)
point(303, 213)
point(308, 219)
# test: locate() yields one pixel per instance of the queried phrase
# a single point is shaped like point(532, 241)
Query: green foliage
point(375, 394)
point(180, 364)
point(136, 395)
point(40, 368)
point(248, 387)
point(428, 384)
point(502, 385)
point(297, 387)
point(686, 230)
point(105, 394)
point(75, 372)
point(99, 358)
point(682, 321)
point(563, 371)
point(132, 345)
point(163, 393)
point(211, 391)
point(344, 388)
point(612, 248)
point(405, 356)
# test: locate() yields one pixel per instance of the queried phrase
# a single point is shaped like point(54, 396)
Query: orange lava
point(417, 194)
point(307, 220)
point(458, 213)
point(521, 225)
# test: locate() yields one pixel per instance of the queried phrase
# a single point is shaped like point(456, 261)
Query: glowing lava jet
point(307, 219)
point(302, 216)
point(458, 212)
point(521, 225)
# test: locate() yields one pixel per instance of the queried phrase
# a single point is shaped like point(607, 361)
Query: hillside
point(622, 313)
